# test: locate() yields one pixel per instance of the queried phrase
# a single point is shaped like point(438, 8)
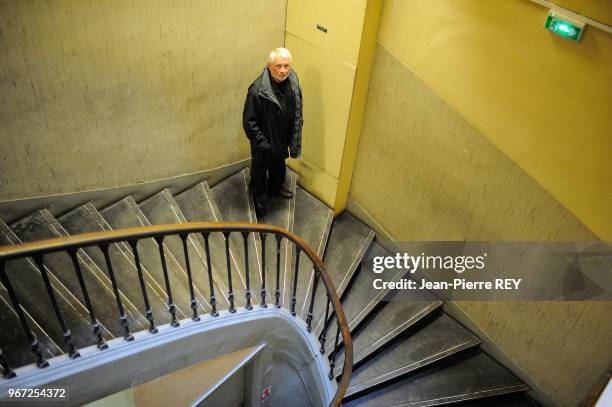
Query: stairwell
point(406, 352)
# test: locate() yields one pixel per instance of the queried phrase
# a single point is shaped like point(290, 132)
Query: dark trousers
point(270, 172)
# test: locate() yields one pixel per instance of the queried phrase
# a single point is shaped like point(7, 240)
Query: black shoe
point(260, 206)
point(283, 193)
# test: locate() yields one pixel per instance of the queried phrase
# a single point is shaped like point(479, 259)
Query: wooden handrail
point(75, 242)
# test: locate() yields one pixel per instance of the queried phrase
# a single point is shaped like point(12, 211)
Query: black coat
point(263, 120)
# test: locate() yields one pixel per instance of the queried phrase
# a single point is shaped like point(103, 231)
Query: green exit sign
point(564, 26)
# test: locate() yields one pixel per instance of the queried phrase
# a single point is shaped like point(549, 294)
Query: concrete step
point(348, 242)
point(13, 340)
point(437, 338)
point(313, 220)
point(504, 400)
point(406, 352)
point(198, 205)
point(26, 280)
point(361, 298)
point(161, 209)
point(465, 376)
point(232, 198)
point(382, 326)
point(42, 225)
point(280, 212)
point(235, 204)
point(126, 213)
point(86, 219)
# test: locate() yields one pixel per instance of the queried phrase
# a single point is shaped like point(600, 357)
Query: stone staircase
point(406, 352)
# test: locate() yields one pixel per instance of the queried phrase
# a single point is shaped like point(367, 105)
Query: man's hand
point(294, 152)
point(262, 146)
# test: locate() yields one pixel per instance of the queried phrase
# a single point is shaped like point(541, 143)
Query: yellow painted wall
point(180, 388)
point(423, 172)
point(544, 101)
point(363, 73)
point(110, 93)
point(326, 64)
point(124, 398)
point(459, 143)
point(186, 386)
point(327, 86)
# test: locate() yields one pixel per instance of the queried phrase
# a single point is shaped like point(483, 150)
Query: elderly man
point(272, 120)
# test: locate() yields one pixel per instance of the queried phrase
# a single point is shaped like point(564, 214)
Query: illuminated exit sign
point(564, 26)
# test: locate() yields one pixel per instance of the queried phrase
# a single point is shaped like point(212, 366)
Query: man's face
point(280, 68)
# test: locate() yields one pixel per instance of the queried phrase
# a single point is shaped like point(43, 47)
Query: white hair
point(279, 52)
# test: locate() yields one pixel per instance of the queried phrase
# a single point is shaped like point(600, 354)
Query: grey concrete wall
point(111, 93)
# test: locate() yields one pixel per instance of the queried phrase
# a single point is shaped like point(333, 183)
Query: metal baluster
point(97, 332)
point(333, 359)
point(322, 336)
point(72, 351)
point(245, 236)
point(263, 270)
point(278, 254)
point(312, 300)
point(295, 280)
point(194, 303)
point(143, 287)
point(213, 300)
point(162, 256)
point(230, 295)
point(122, 317)
point(34, 345)
point(7, 372)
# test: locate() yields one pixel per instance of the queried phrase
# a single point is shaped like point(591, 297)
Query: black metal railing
point(72, 245)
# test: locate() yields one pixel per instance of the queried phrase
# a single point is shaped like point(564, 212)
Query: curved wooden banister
point(75, 242)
